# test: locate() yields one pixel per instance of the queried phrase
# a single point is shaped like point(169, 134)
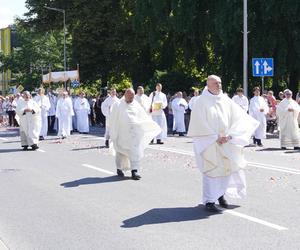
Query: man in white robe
point(29, 114)
point(142, 99)
point(288, 111)
point(106, 109)
point(64, 113)
point(158, 103)
point(43, 101)
point(193, 99)
point(179, 106)
point(131, 130)
point(258, 109)
point(82, 111)
point(241, 100)
point(218, 144)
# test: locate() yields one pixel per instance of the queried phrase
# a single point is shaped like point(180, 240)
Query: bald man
point(131, 130)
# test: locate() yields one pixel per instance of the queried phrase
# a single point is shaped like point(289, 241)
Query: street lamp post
point(245, 50)
point(64, 22)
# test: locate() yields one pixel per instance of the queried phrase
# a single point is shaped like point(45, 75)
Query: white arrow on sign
point(267, 68)
point(257, 64)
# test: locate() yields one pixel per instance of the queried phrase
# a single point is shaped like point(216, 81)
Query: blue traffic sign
point(262, 67)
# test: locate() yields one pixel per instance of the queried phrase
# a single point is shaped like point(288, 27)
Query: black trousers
point(11, 118)
point(51, 122)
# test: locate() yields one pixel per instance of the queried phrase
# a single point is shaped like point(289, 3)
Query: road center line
point(256, 220)
point(4, 139)
point(41, 150)
point(98, 169)
point(254, 164)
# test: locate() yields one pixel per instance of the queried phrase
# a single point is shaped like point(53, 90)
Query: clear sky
point(9, 9)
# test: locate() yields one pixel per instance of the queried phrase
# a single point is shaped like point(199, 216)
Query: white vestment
point(44, 104)
point(241, 101)
point(64, 113)
point(106, 109)
point(144, 101)
point(158, 104)
point(192, 101)
point(221, 165)
point(179, 105)
point(82, 110)
point(131, 130)
point(288, 123)
point(30, 122)
point(257, 103)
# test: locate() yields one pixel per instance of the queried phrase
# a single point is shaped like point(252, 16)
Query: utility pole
point(245, 50)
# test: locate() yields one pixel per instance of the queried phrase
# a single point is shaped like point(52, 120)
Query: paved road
point(65, 196)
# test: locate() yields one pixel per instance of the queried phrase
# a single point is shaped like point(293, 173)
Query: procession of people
point(220, 126)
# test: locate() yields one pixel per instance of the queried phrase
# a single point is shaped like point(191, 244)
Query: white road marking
point(256, 220)
point(98, 169)
point(3, 246)
point(41, 150)
point(253, 164)
point(4, 139)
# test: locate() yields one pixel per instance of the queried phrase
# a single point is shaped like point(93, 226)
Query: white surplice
point(241, 101)
point(179, 105)
point(158, 104)
point(221, 165)
point(64, 113)
point(131, 130)
point(106, 109)
point(144, 101)
point(288, 123)
point(82, 110)
point(44, 104)
point(192, 101)
point(257, 103)
point(30, 122)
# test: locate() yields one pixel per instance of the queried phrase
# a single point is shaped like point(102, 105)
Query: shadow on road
point(270, 149)
point(167, 215)
point(95, 147)
point(93, 180)
point(10, 150)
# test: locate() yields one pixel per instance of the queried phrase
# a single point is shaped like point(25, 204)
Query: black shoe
point(174, 132)
point(41, 138)
point(152, 141)
point(181, 134)
point(120, 173)
point(259, 143)
point(254, 141)
point(134, 175)
point(63, 137)
point(211, 207)
point(25, 148)
point(107, 143)
point(34, 147)
point(159, 141)
point(222, 202)
point(284, 148)
point(296, 148)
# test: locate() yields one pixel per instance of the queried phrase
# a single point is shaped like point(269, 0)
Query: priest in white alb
point(44, 103)
point(105, 109)
point(241, 100)
point(64, 113)
point(131, 130)
point(194, 98)
point(82, 110)
point(288, 111)
point(29, 114)
point(220, 132)
point(158, 103)
point(258, 109)
point(179, 106)
point(143, 99)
